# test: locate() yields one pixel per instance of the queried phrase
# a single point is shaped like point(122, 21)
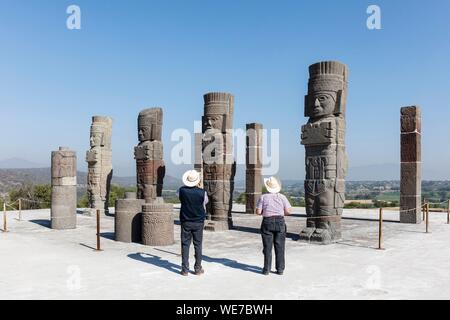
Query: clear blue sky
point(131, 55)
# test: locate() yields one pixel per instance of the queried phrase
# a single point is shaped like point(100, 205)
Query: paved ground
point(39, 263)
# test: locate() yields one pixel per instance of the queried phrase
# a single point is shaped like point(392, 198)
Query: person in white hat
point(192, 217)
point(273, 206)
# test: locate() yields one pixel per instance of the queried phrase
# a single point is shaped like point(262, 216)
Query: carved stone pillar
point(411, 165)
point(64, 189)
point(253, 182)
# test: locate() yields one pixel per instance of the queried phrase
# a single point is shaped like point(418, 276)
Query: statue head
point(101, 129)
point(150, 124)
point(327, 89)
point(97, 135)
point(218, 111)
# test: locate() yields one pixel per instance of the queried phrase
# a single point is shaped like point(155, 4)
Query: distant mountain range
point(16, 171)
point(17, 163)
point(10, 178)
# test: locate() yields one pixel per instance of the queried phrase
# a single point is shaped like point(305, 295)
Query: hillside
point(10, 178)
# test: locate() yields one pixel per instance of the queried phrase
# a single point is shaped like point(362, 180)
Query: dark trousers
point(191, 231)
point(273, 232)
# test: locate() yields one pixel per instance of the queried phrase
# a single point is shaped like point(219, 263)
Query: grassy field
point(389, 196)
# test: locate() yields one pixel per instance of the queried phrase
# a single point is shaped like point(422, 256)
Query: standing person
point(273, 206)
point(192, 217)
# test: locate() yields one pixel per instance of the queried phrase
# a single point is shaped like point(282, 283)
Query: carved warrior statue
point(326, 160)
point(64, 189)
point(150, 165)
point(99, 159)
point(219, 166)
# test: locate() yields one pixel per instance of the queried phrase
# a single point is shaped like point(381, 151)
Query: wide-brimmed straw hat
point(273, 185)
point(191, 178)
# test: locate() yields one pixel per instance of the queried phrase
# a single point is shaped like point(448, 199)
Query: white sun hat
point(273, 185)
point(191, 178)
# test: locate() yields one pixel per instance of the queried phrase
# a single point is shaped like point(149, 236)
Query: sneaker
point(280, 273)
point(199, 272)
point(184, 273)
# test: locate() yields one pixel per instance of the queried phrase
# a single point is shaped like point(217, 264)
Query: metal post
point(98, 231)
point(5, 224)
point(380, 231)
point(424, 209)
point(448, 212)
point(20, 209)
point(427, 212)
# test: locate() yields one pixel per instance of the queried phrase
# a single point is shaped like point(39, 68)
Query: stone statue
point(150, 165)
point(411, 165)
point(325, 160)
point(253, 182)
point(64, 189)
point(99, 159)
point(219, 166)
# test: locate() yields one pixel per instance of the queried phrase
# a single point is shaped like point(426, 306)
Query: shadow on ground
point(233, 264)
point(108, 235)
point(156, 261)
point(42, 223)
point(159, 262)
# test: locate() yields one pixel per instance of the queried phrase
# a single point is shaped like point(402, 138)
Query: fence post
point(98, 231)
point(380, 230)
point(5, 224)
point(427, 212)
point(424, 208)
point(20, 209)
point(448, 212)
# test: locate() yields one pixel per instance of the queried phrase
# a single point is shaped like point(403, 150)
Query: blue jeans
point(191, 231)
point(273, 232)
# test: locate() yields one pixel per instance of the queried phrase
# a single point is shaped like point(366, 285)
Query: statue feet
point(322, 236)
point(305, 234)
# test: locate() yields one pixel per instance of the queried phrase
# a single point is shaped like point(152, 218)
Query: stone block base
point(322, 231)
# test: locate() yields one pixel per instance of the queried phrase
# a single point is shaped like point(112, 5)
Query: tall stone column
point(64, 189)
point(219, 167)
point(148, 153)
point(99, 159)
point(411, 165)
point(325, 156)
point(253, 182)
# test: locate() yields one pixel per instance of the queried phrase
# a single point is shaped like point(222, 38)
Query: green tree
point(242, 198)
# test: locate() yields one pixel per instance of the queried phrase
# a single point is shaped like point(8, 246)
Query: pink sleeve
point(259, 204)
point(287, 205)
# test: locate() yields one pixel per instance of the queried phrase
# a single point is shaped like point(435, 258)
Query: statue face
point(214, 121)
point(145, 133)
point(322, 103)
point(96, 139)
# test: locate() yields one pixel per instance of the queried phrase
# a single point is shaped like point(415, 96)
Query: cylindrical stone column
point(157, 224)
point(411, 165)
point(128, 221)
point(64, 189)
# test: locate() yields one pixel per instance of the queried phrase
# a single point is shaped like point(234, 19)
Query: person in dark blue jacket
point(192, 217)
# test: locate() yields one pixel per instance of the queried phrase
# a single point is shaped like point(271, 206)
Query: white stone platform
point(39, 263)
